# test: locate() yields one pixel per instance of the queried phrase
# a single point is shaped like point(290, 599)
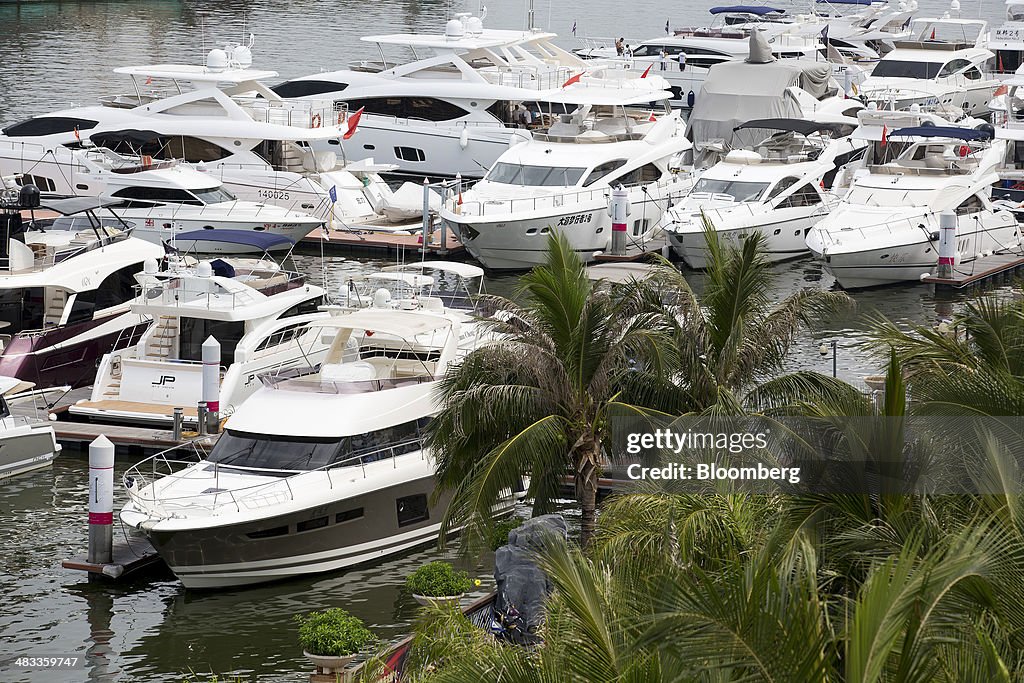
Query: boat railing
point(142, 480)
point(306, 380)
point(196, 292)
point(543, 202)
point(317, 113)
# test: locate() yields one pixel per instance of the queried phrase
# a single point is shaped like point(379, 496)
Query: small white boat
point(886, 228)
point(25, 444)
point(777, 188)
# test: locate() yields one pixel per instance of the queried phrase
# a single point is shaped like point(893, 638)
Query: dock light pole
point(823, 350)
point(211, 383)
point(101, 501)
point(619, 210)
point(947, 244)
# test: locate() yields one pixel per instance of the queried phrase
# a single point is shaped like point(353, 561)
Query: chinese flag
point(885, 136)
point(149, 80)
point(652, 117)
point(933, 35)
point(1000, 91)
point(78, 136)
point(1001, 69)
point(353, 121)
point(574, 79)
point(647, 70)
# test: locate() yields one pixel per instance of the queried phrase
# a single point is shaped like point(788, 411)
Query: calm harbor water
point(59, 53)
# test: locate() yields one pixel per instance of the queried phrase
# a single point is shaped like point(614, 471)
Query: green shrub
point(438, 579)
point(499, 534)
point(333, 633)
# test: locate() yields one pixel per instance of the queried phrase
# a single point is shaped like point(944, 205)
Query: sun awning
point(404, 324)
point(802, 126)
point(411, 279)
point(759, 10)
point(73, 205)
point(952, 132)
point(466, 270)
point(249, 238)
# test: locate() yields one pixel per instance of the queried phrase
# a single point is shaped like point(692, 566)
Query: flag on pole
point(574, 27)
point(78, 136)
point(1001, 69)
point(824, 34)
point(885, 136)
point(647, 70)
point(149, 80)
point(574, 79)
point(333, 194)
point(1000, 91)
point(933, 35)
point(652, 117)
point(353, 122)
point(668, 31)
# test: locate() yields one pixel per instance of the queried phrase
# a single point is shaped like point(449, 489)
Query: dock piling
point(947, 244)
point(211, 385)
point(101, 501)
point(619, 210)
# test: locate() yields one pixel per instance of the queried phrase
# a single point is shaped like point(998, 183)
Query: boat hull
point(25, 447)
point(783, 240)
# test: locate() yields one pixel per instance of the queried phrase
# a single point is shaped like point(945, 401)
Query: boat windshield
point(895, 68)
point(214, 195)
point(297, 453)
point(740, 191)
point(535, 176)
point(889, 196)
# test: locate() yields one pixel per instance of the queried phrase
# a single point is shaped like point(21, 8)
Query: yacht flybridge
point(321, 469)
point(886, 228)
point(64, 294)
point(562, 180)
point(256, 311)
point(455, 112)
point(944, 62)
point(224, 121)
point(777, 187)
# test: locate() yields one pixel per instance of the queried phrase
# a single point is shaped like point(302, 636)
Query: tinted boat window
point(893, 68)
point(307, 88)
point(22, 308)
point(48, 125)
point(157, 194)
point(535, 176)
point(194, 332)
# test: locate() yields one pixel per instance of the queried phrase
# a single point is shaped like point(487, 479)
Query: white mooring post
point(211, 383)
point(426, 213)
point(947, 244)
point(101, 501)
point(619, 210)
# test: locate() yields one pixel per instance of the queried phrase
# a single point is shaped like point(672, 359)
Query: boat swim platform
point(132, 554)
point(369, 241)
point(635, 252)
point(987, 271)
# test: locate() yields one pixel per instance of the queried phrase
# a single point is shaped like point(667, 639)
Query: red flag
point(1001, 69)
point(647, 70)
point(77, 135)
point(459, 202)
point(149, 80)
point(574, 79)
point(652, 117)
point(885, 136)
point(353, 121)
point(1000, 91)
point(933, 35)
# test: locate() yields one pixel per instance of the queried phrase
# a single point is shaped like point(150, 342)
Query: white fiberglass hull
point(25, 447)
point(783, 238)
point(910, 254)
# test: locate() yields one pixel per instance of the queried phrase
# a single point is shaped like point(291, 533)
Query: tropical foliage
point(438, 579)
point(333, 633)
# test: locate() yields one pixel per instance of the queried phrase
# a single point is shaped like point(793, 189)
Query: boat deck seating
point(136, 407)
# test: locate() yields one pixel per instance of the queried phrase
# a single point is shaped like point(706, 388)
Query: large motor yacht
point(886, 228)
point(26, 444)
point(64, 294)
point(777, 187)
point(944, 62)
point(256, 310)
point(1007, 41)
point(562, 180)
point(454, 113)
point(222, 119)
point(321, 469)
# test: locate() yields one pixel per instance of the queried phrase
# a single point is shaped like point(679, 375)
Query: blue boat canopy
point(942, 132)
point(849, 2)
point(249, 238)
point(759, 10)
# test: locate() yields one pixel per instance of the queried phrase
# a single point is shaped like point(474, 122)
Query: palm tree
point(538, 400)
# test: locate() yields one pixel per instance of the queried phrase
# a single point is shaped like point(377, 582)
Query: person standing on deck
point(628, 52)
point(682, 61)
point(619, 46)
point(663, 60)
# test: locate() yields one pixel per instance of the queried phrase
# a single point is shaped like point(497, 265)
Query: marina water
point(59, 53)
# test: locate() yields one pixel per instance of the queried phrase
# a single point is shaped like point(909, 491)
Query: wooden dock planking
point(984, 271)
point(391, 243)
point(634, 252)
point(130, 555)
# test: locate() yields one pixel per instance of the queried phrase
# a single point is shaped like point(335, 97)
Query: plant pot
point(442, 600)
point(329, 664)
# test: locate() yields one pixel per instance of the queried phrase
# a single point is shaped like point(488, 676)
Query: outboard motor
point(28, 197)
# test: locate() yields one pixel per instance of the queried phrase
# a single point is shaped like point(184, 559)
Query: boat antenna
point(529, 16)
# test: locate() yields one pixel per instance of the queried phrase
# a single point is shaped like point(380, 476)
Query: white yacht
point(25, 444)
point(457, 111)
point(1007, 41)
point(224, 121)
point(319, 470)
point(157, 200)
point(562, 179)
point(778, 187)
point(255, 309)
point(944, 62)
point(64, 294)
point(886, 228)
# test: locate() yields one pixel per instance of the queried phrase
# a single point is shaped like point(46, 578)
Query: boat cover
point(942, 132)
point(759, 10)
point(248, 238)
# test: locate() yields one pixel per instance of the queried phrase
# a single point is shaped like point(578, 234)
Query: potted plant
point(437, 583)
point(331, 638)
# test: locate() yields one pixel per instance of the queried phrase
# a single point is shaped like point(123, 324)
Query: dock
point(635, 251)
point(131, 555)
point(983, 272)
point(390, 243)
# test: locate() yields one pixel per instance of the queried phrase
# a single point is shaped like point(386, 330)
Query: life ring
point(315, 121)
